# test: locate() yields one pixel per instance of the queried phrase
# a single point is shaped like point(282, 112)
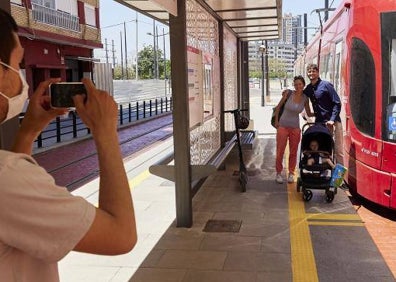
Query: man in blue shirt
point(327, 107)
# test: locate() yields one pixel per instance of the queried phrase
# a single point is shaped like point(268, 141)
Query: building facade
point(286, 49)
point(58, 36)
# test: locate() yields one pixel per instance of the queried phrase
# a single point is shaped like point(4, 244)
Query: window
point(337, 66)
point(68, 6)
point(46, 3)
point(362, 88)
point(90, 15)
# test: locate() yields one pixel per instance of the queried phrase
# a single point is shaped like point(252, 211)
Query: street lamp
point(156, 36)
point(263, 49)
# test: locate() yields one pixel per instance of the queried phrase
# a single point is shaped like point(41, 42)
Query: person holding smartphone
point(41, 222)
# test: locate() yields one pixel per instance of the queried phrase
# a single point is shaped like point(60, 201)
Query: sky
point(113, 26)
point(299, 7)
point(112, 17)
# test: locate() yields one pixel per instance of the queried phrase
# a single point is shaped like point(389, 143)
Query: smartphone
point(61, 93)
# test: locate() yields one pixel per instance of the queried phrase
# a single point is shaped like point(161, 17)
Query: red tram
point(356, 51)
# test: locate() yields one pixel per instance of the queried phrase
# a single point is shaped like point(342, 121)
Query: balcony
point(56, 18)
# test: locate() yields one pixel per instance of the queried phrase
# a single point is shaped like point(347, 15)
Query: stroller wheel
point(307, 196)
point(329, 196)
point(299, 184)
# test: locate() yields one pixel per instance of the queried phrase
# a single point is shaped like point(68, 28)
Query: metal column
point(181, 121)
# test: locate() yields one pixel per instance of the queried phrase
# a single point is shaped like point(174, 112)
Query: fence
point(71, 127)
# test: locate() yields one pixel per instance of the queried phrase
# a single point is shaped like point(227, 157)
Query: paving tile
point(180, 241)
point(258, 261)
point(158, 275)
point(269, 276)
point(152, 258)
point(230, 242)
point(219, 276)
point(208, 260)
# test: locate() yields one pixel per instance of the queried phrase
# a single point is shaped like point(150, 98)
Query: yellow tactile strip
point(302, 255)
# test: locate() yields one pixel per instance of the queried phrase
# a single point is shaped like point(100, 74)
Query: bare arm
point(308, 109)
point(114, 229)
point(277, 109)
point(37, 117)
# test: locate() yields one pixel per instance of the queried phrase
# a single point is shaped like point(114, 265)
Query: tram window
point(362, 87)
point(323, 67)
point(388, 35)
point(337, 67)
point(327, 67)
point(337, 73)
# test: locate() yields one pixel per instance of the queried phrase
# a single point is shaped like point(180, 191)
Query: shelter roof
point(248, 19)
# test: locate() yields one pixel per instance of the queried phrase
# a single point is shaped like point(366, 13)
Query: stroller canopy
point(319, 133)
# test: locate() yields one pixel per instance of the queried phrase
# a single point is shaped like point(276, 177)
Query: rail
point(71, 127)
point(55, 17)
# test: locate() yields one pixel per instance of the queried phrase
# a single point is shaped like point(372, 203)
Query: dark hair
point(312, 66)
point(8, 27)
point(299, 77)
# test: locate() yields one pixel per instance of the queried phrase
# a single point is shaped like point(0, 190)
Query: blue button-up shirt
point(325, 101)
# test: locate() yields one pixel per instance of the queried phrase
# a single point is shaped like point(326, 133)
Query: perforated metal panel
point(203, 34)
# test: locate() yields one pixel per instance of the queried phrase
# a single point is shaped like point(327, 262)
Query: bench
point(163, 169)
point(222, 154)
point(247, 139)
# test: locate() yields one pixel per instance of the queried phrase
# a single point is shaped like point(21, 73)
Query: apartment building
point(58, 36)
point(286, 49)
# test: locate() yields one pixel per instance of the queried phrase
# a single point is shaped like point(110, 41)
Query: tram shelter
point(209, 55)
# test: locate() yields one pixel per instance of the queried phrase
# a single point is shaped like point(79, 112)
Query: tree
point(117, 72)
point(146, 62)
point(277, 69)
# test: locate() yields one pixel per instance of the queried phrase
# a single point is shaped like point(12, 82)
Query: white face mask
point(16, 103)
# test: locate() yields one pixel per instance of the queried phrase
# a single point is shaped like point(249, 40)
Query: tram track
point(76, 163)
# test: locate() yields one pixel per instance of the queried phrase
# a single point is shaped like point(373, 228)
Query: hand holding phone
point(61, 93)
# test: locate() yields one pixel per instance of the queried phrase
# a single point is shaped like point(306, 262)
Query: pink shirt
point(40, 222)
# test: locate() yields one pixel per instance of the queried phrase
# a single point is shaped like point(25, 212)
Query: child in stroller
point(316, 161)
point(315, 157)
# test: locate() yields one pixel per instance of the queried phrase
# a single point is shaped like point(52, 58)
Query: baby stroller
point(318, 174)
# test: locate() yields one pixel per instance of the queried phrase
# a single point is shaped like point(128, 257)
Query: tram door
point(388, 32)
point(365, 145)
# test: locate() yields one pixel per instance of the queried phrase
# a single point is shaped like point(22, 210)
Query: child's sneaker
point(279, 179)
point(290, 179)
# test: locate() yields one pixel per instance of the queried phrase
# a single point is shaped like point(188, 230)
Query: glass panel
point(46, 3)
point(362, 89)
point(388, 36)
point(337, 65)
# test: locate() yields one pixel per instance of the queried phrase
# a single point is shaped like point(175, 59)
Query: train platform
point(267, 233)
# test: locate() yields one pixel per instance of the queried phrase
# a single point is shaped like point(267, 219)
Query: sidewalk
point(277, 237)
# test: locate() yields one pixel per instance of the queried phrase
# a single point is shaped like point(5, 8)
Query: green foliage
point(277, 68)
point(255, 74)
point(146, 63)
point(118, 73)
